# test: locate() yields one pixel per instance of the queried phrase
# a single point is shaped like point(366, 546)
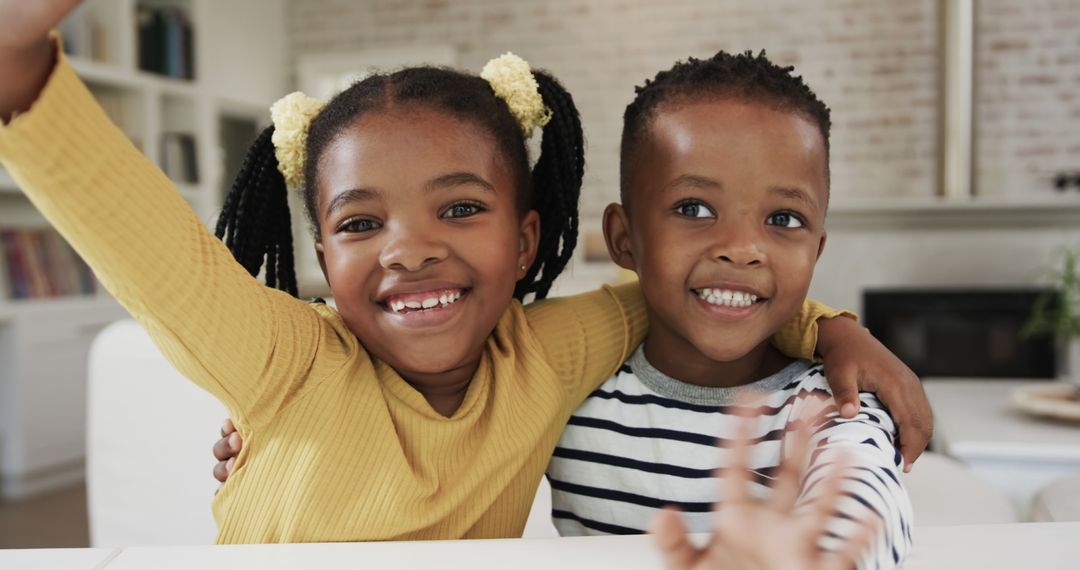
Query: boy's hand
point(26, 55)
point(763, 534)
point(855, 360)
point(225, 451)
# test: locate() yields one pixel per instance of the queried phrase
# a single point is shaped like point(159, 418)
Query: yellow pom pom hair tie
point(292, 115)
point(513, 82)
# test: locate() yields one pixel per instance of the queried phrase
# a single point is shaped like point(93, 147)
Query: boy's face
point(724, 223)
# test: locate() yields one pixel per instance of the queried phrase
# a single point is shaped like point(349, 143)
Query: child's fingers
point(670, 537)
point(788, 475)
point(825, 504)
point(220, 472)
point(735, 482)
point(844, 384)
point(855, 547)
point(223, 449)
point(915, 433)
point(227, 427)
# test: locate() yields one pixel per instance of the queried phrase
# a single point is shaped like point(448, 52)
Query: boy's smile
point(422, 242)
point(723, 223)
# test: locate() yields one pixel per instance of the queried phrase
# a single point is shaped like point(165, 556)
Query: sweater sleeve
point(587, 337)
point(871, 488)
point(798, 338)
point(250, 346)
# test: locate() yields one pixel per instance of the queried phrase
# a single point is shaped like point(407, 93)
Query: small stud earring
point(523, 268)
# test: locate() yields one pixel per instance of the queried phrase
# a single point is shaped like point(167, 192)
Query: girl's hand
point(26, 55)
point(23, 23)
point(225, 451)
point(763, 534)
point(855, 360)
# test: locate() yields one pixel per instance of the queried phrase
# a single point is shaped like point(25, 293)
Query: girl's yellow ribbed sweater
point(337, 446)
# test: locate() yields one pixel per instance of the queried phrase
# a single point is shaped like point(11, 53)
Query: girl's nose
point(412, 249)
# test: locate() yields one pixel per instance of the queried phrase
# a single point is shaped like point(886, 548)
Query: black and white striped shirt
point(644, 440)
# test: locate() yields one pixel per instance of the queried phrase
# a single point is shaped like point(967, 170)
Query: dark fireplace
point(961, 332)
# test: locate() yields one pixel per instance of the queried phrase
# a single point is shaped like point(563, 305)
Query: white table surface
point(977, 418)
point(1042, 546)
point(56, 558)
point(976, 423)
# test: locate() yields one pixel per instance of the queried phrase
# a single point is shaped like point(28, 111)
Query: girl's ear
point(617, 236)
point(821, 246)
point(528, 241)
point(322, 260)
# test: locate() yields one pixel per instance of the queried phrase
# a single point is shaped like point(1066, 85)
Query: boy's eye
point(694, 210)
point(462, 210)
point(359, 225)
point(784, 220)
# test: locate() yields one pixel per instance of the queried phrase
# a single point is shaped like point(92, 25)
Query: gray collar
point(708, 395)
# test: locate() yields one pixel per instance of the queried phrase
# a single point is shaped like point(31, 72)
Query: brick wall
point(873, 63)
point(1027, 100)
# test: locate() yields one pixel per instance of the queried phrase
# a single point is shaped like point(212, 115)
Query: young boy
point(725, 185)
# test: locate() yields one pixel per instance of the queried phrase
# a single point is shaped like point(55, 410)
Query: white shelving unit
point(44, 342)
point(1041, 210)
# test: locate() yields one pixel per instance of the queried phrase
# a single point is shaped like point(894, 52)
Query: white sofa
point(149, 438)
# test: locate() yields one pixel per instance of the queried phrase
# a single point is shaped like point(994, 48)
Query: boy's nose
point(411, 250)
point(738, 245)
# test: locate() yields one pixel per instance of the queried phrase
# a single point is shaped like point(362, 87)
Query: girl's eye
point(462, 210)
point(360, 225)
point(694, 210)
point(784, 220)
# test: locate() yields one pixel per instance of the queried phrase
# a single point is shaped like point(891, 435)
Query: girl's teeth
point(443, 299)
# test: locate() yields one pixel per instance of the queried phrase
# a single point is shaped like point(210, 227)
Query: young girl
point(382, 419)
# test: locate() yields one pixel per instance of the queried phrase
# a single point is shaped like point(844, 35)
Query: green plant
point(1058, 312)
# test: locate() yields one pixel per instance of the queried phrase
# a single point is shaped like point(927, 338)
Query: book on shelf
point(117, 106)
point(178, 157)
point(39, 264)
point(165, 41)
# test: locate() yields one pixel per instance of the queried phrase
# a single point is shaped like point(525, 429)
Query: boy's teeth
point(727, 297)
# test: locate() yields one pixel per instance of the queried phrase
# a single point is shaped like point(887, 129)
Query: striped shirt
point(644, 440)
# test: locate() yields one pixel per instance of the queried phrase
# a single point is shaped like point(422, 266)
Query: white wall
point(876, 64)
point(244, 49)
point(891, 257)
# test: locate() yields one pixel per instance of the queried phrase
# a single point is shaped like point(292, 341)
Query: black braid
point(255, 222)
point(742, 76)
point(556, 181)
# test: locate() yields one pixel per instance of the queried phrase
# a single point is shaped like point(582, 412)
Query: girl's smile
point(428, 307)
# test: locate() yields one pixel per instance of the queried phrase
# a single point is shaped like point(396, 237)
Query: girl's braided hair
point(743, 76)
point(254, 221)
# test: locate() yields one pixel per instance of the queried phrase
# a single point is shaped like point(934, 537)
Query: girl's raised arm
point(215, 322)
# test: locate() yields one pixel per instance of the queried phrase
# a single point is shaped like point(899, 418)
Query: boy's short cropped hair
point(743, 76)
